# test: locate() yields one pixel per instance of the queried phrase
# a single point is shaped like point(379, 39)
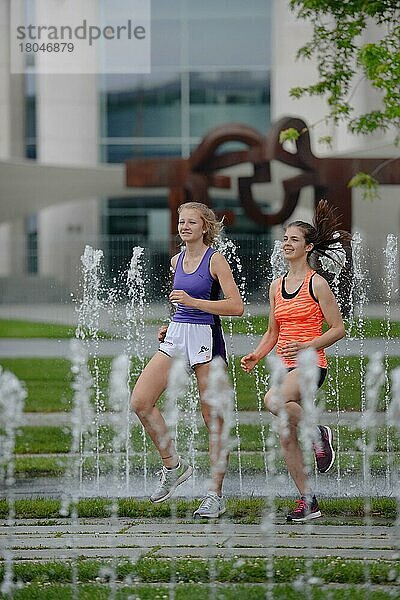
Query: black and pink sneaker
point(304, 511)
point(324, 452)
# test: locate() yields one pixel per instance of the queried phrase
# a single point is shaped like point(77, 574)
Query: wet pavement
point(243, 485)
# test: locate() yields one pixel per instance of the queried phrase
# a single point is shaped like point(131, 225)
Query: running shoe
point(304, 511)
point(169, 481)
point(211, 507)
point(324, 452)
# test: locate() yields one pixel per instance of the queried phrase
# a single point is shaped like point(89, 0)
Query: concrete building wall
point(4, 249)
point(67, 133)
point(67, 113)
point(12, 90)
point(290, 34)
point(12, 113)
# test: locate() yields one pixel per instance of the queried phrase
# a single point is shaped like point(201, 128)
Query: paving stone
point(240, 344)
point(262, 552)
point(102, 539)
point(67, 554)
point(244, 418)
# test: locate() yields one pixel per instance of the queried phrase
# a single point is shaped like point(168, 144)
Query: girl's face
point(190, 225)
point(294, 244)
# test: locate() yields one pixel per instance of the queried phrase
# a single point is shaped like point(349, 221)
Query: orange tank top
point(299, 317)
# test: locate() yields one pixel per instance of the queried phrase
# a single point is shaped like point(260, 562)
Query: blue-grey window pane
point(31, 228)
point(166, 43)
point(229, 42)
point(146, 106)
point(224, 148)
point(30, 151)
point(30, 116)
point(217, 98)
point(213, 9)
point(117, 153)
point(127, 224)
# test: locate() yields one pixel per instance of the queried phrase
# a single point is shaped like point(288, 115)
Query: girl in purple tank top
point(199, 284)
point(203, 290)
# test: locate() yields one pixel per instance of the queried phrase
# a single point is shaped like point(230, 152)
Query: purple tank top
point(199, 284)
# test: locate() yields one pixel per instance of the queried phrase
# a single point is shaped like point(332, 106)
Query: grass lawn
point(48, 382)
point(149, 578)
point(183, 591)
point(50, 439)
point(14, 328)
point(17, 328)
point(49, 389)
point(226, 570)
point(370, 327)
point(252, 463)
point(249, 510)
point(43, 451)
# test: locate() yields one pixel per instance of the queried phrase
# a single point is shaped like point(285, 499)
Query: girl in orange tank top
point(299, 317)
point(300, 302)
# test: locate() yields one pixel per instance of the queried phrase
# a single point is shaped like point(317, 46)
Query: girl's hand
point(162, 332)
point(291, 349)
point(248, 362)
point(181, 297)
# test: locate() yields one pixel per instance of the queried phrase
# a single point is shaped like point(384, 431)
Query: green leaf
point(288, 135)
point(326, 140)
point(367, 183)
point(297, 92)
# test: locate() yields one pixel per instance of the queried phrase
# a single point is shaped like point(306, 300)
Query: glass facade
point(31, 228)
point(222, 97)
point(210, 66)
point(150, 118)
point(30, 116)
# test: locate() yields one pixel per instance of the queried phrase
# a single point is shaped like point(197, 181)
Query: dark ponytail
point(324, 233)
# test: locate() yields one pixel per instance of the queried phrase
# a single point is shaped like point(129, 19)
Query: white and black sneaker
point(169, 481)
point(212, 506)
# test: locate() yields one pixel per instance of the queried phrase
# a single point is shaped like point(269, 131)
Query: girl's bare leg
point(292, 452)
point(218, 455)
point(149, 387)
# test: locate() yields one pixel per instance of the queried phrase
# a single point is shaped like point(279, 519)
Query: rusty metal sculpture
point(191, 178)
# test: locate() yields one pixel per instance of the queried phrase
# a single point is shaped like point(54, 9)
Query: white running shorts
point(199, 344)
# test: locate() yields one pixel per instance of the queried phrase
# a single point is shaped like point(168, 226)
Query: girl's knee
point(135, 402)
point(139, 404)
point(211, 420)
point(208, 421)
point(270, 404)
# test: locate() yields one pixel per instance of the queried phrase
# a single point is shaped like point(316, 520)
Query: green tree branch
point(343, 60)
